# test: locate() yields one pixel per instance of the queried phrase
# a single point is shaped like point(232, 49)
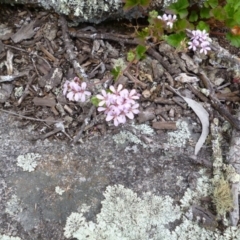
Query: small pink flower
point(105, 98)
point(118, 104)
point(70, 96)
point(168, 19)
point(117, 118)
point(193, 45)
point(199, 40)
point(132, 110)
point(116, 91)
point(74, 91)
point(131, 96)
point(205, 47)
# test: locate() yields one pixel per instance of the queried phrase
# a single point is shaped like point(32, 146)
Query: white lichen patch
point(119, 63)
point(179, 137)
point(125, 136)
point(203, 189)
point(144, 129)
point(13, 206)
point(191, 230)
point(5, 237)
point(133, 136)
point(59, 190)
point(125, 216)
point(18, 91)
point(84, 208)
point(28, 162)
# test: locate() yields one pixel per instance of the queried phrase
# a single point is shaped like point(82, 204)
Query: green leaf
point(153, 14)
point(211, 3)
point(230, 22)
point(193, 16)
point(180, 8)
point(175, 39)
point(95, 101)
point(229, 10)
point(205, 13)
point(143, 34)
point(234, 39)
point(132, 3)
point(181, 25)
point(235, 4)
point(116, 72)
point(203, 26)
point(130, 56)
point(237, 17)
point(219, 13)
point(140, 52)
point(179, 5)
point(183, 13)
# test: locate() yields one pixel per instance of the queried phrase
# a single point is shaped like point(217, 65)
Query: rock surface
point(30, 203)
point(94, 11)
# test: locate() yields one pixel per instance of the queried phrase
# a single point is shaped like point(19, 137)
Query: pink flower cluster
point(75, 90)
point(199, 40)
point(168, 19)
point(118, 104)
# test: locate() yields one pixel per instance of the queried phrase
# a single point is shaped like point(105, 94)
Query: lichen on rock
point(126, 216)
point(85, 9)
point(179, 137)
point(5, 237)
point(28, 162)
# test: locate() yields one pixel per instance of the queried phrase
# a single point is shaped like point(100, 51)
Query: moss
point(222, 197)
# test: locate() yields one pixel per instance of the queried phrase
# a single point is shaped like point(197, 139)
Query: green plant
point(133, 3)
point(197, 17)
point(226, 13)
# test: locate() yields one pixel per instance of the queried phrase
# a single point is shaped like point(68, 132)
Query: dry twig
point(87, 119)
point(69, 49)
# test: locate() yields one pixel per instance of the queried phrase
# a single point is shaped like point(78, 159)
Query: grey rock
point(94, 11)
point(83, 171)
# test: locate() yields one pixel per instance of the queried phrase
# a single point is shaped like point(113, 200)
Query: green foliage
point(95, 101)
point(205, 13)
point(137, 54)
point(140, 52)
point(116, 72)
point(210, 3)
point(218, 13)
point(234, 39)
point(180, 8)
point(233, 4)
point(182, 25)
point(153, 14)
point(193, 16)
point(144, 33)
point(133, 3)
point(229, 14)
point(188, 18)
point(175, 39)
point(131, 56)
point(232, 13)
point(203, 26)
